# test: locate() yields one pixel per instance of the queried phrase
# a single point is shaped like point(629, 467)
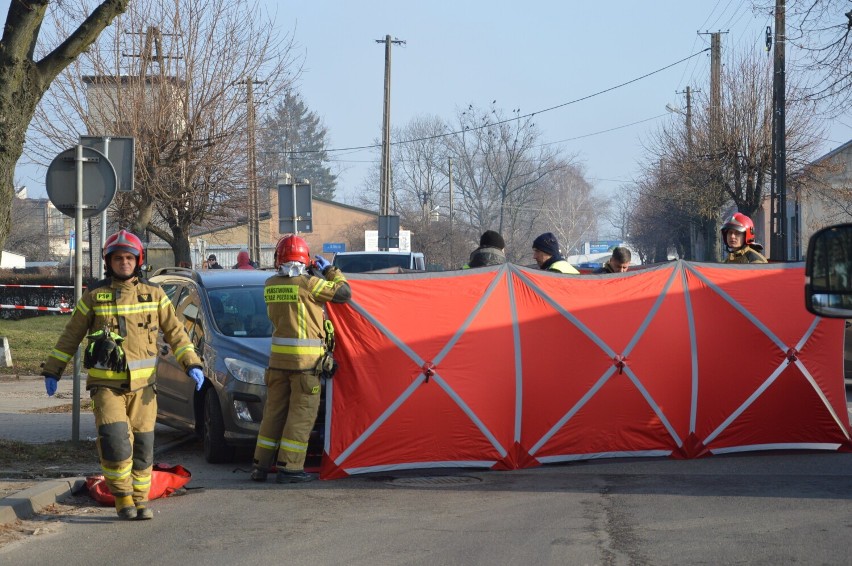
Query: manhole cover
point(434, 481)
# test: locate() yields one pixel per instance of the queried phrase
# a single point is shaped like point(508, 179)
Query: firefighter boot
point(258, 474)
point(125, 508)
point(143, 513)
point(293, 476)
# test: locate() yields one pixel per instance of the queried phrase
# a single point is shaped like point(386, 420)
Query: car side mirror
point(828, 268)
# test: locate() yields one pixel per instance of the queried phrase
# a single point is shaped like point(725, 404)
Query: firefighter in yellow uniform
point(300, 345)
point(739, 239)
point(121, 316)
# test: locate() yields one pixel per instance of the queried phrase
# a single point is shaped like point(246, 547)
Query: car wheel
point(215, 449)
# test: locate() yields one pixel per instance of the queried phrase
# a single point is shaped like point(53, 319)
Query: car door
point(175, 389)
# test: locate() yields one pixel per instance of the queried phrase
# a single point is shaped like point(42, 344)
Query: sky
point(534, 56)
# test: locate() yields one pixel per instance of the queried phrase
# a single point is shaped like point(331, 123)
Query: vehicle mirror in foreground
point(828, 268)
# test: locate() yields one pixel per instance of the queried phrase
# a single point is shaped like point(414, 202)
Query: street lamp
point(675, 109)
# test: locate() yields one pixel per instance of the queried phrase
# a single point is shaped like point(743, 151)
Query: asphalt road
point(765, 508)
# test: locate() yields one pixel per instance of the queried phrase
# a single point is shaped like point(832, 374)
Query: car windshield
point(359, 263)
point(240, 311)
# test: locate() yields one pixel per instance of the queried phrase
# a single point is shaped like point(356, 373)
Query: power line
point(531, 114)
point(590, 134)
point(605, 131)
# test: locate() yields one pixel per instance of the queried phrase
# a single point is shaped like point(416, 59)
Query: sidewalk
point(26, 496)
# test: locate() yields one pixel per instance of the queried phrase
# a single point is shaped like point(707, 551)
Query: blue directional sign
point(602, 246)
point(333, 247)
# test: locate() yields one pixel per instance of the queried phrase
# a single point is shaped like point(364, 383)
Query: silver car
point(225, 315)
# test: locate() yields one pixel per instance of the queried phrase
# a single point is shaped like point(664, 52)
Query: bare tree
point(700, 175)
point(183, 79)
point(656, 227)
point(620, 212)
point(504, 179)
point(570, 209)
point(28, 236)
point(24, 79)
point(502, 173)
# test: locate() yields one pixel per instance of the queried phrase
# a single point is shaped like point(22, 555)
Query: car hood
point(255, 350)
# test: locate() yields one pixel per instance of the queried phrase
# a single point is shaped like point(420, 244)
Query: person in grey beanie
point(547, 255)
point(491, 251)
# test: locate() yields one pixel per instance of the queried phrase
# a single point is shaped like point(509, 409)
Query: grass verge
point(30, 341)
point(51, 455)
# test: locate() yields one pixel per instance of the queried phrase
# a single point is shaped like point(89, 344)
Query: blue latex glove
point(198, 376)
point(50, 384)
point(321, 262)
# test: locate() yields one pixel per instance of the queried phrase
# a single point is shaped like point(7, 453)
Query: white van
point(359, 262)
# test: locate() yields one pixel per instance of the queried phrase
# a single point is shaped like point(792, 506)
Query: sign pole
point(295, 214)
point(78, 289)
point(101, 273)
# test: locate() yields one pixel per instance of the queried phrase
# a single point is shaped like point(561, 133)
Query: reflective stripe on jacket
point(563, 266)
point(295, 307)
point(146, 311)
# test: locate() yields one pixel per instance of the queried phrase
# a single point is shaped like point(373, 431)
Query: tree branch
point(80, 40)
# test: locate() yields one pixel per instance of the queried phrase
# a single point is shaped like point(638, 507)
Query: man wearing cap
point(490, 251)
point(212, 263)
point(546, 255)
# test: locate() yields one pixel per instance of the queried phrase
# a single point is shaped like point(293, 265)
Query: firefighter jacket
point(295, 307)
point(745, 254)
point(136, 309)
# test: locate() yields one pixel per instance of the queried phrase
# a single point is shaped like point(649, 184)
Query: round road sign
point(98, 182)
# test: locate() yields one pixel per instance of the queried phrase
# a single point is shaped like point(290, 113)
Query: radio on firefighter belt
point(327, 366)
point(104, 351)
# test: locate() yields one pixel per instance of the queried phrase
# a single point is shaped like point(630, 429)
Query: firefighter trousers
point(125, 422)
point(292, 403)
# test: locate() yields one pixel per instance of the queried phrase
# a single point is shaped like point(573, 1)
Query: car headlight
point(244, 371)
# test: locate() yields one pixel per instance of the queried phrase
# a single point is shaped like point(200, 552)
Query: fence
point(22, 300)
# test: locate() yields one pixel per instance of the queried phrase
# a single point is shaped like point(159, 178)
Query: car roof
point(215, 278)
point(376, 252)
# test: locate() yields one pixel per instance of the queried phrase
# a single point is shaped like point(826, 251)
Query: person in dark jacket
point(548, 257)
point(618, 262)
point(490, 251)
point(212, 262)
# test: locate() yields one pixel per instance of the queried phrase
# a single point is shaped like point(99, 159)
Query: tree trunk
point(712, 250)
point(24, 81)
point(181, 247)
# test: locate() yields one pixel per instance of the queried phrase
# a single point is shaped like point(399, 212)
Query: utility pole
point(693, 229)
point(450, 173)
point(688, 115)
point(778, 194)
point(152, 50)
point(711, 235)
point(251, 173)
point(384, 190)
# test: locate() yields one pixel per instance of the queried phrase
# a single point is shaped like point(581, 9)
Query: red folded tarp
point(165, 481)
point(508, 367)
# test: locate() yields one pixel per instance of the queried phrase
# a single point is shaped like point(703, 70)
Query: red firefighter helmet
point(292, 248)
point(739, 222)
point(126, 242)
